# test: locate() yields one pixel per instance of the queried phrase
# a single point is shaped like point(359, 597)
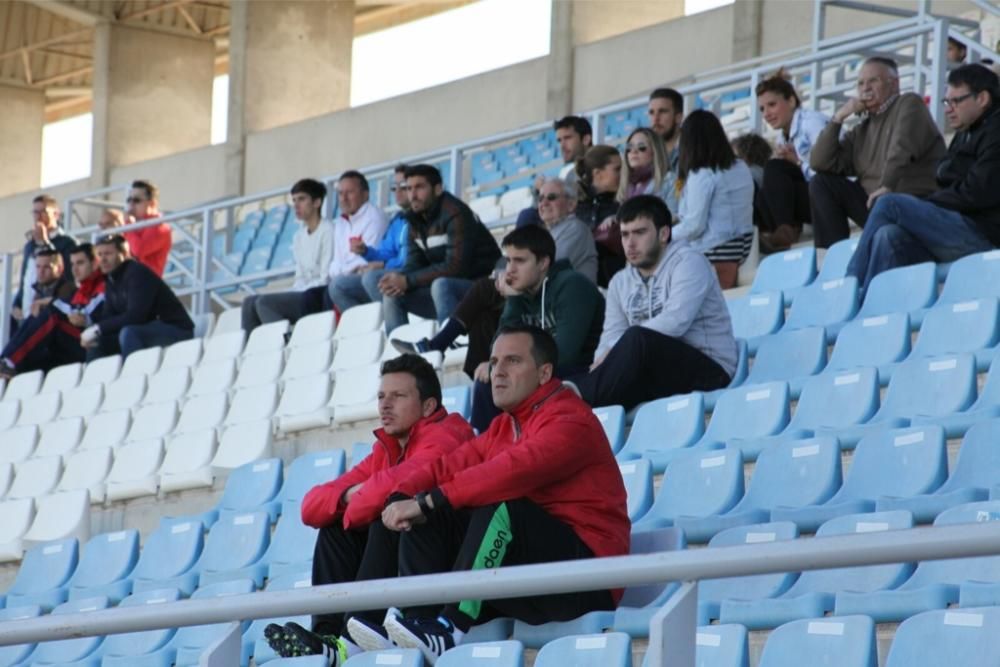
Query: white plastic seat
point(307, 359)
point(514, 201)
point(187, 463)
point(9, 410)
point(229, 321)
point(243, 443)
point(357, 351)
point(355, 395)
point(152, 421)
point(410, 333)
point(266, 337)
point(88, 470)
point(59, 517)
point(124, 393)
point(184, 354)
point(224, 346)
point(313, 328)
point(39, 409)
point(107, 429)
point(303, 403)
point(17, 517)
point(133, 474)
point(23, 385)
point(252, 403)
point(212, 377)
point(358, 320)
point(200, 413)
point(169, 384)
point(82, 401)
point(36, 477)
point(60, 437)
point(62, 378)
point(203, 324)
point(487, 208)
point(455, 356)
point(6, 477)
point(142, 362)
point(18, 443)
point(99, 371)
point(263, 368)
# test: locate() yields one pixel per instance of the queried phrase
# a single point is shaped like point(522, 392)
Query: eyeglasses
point(641, 148)
point(550, 197)
point(400, 188)
point(134, 200)
point(952, 102)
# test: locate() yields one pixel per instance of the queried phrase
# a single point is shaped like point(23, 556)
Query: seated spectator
point(755, 151)
point(574, 136)
point(666, 326)
point(139, 310)
point(45, 233)
point(598, 175)
point(448, 248)
point(312, 248)
point(52, 338)
point(962, 216)
point(716, 208)
point(956, 52)
point(352, 544)
point(645, 170)
point(784, 201)
point(359, 220)
point(666, 113)
point(150, 245)
point(572, 236)
point(539, 486)
point(110, 218)
point(893, 149)
point(361, 286)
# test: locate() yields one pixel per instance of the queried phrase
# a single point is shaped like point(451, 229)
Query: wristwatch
point(421, 499)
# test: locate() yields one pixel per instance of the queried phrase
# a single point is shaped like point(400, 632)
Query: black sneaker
point(293, 641)
point(406, 347)
point(371, 636)
point(433, 636)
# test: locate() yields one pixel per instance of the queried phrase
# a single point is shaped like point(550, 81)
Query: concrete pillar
point(152, 95)
point(21, 138)
point(559, 70)
point(747, 29)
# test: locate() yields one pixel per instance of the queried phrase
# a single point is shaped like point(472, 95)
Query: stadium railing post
point(225, 651)
point(6, 274)
point(673, 628)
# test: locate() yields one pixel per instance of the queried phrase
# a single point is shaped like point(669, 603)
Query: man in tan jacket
point(895, 148)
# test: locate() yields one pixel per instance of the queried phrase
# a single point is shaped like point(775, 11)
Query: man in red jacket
point(353, 545)
point(540, 485)
point(150, 245)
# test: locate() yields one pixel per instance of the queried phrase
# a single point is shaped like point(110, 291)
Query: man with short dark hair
point(448, 248)
point(666, 113)
point(540, 485)
point(45, 233)
point(139, 311)
point(574, 136)
point(962, 216)
point(150, 245)
point(666, 326)
point(352, 544)
point(893, 149)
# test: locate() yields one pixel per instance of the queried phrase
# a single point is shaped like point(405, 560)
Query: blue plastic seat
point(711, 592)
point(253, 486)
point(755, 316)
point(104, 567)
point(721, 646)
point(837, 257)
point(966, 326)
point(791, 356)
point(291, 548)
point(786, 272)
point(748, 414)
point(828, 304)
point(739, 375)
point(798, 473)
point(847, 641)
point(966, 637)
point(491, 654)
point(881, 341)
point(45, 571)
point(938, 583)
point(697, 484)
point(457, 400)
point(150, 648)
point(398, 656)
point(168, 557)
point(934, 387)
point(253, 642)
point(606, 650)
point(234, 549)
point(665, 424)
point(638, 478)
point(612, 418)
point(908, 289)
point(813, 593)
point(360, 451)
point(191, 641)
point(987, 406)
point(17, 653)
point(900, 463)
point(976, 471)
point(81, 652)
point(973, 277)
point(310, 470)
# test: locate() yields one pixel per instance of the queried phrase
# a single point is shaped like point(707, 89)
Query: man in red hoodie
point(353, 545)
point(150, 245)
point(540, 485)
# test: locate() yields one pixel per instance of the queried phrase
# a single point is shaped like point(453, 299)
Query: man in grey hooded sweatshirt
point(666, 326)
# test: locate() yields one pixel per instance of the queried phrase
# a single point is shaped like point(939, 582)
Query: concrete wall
point(185, 179)
point(594, 20)
point(20, 138)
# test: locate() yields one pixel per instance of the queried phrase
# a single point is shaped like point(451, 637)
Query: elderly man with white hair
point(573, 237)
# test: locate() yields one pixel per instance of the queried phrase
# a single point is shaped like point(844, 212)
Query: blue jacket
point(392, 249)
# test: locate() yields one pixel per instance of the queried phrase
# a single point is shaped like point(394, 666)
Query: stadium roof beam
point(74, 13)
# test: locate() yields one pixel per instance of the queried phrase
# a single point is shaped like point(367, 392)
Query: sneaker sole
point(403, 638)
point(278, 640)
point(366, 638)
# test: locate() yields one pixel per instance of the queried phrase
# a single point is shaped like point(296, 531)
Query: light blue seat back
point(785, 271)
point(789, 354)
point(751, 411)
point(837, 257)
point(107, 559)
point(17, 653)
point(902, 290)
point(398, 656)
point(697, 484)
point(957, 570)
point(251, 486)
point(934, 387)
point(712, 591)
point(292, 543)
point(360, 451)
point(638, 478)
point(190, 641)
point(488, 654)
point(666, 423)
point(170, 551)
point(965, 326)
point(824, 303)
point(457, 400)
point(966, 637)
point(721, 646)
point(310, 470)
point(71, 650)
point(837, 400)
point(973, 277)
point(133, 644)
point(844, 641)
point(612, 418)
point(978, 463)
point(793, 474)
point(44, 569)
point(756, 315)
point(871, 341)
point(236, 541)
point(613, 649)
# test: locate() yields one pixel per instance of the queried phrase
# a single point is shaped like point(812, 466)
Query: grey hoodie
point(682, 300)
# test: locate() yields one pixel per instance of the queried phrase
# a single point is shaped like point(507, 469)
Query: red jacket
point(91, 286)
point(550, 450)
point(151, 246)
point(430, 438)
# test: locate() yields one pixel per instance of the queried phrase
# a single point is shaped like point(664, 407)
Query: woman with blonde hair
point(645, 170)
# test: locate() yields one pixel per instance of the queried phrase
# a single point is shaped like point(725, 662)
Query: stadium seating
point(167, 557)
point(242, 443)
point(79, 651)
point(62, 378)
point(310, 470)
point(23, 385)
point(457, 400)
point(17, 515)
point(910, 289)
point(18, 653)
point(304, 402)
point(19, 444)
point(663, 425)
point(150, 648)
point(972, 277)
point(612, 420)
point(838, 256)
point(133, 473)
point(104, 567)
point(312, 329)
point(169, 384)
point(605, 650)
point(957, 637)
point(142, 362)
point(234, 548)
point(59, 516)
point(790, 356)
point(60, 437)
point(43, 575)
point(638, 478)
point(485, 654)
point(187, 462)
point(846, 641)
point(966, 326)
point(755, 316)
point(786, 272)
point(189, 642)
point(828, 304)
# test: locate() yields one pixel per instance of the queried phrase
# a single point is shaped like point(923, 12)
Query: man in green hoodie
point(549, 294)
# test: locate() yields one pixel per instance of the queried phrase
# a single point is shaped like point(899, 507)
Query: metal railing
point(673, 625)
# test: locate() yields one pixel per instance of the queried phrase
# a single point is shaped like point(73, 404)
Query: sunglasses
point(640, 148)
point(550, 197)
point(134, 200)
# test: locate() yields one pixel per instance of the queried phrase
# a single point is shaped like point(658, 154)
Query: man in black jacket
point(962, 217)
point(139, 311)
point(45, 233)
point(448, 248)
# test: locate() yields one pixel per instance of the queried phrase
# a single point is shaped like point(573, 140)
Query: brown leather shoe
point(780, 239)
